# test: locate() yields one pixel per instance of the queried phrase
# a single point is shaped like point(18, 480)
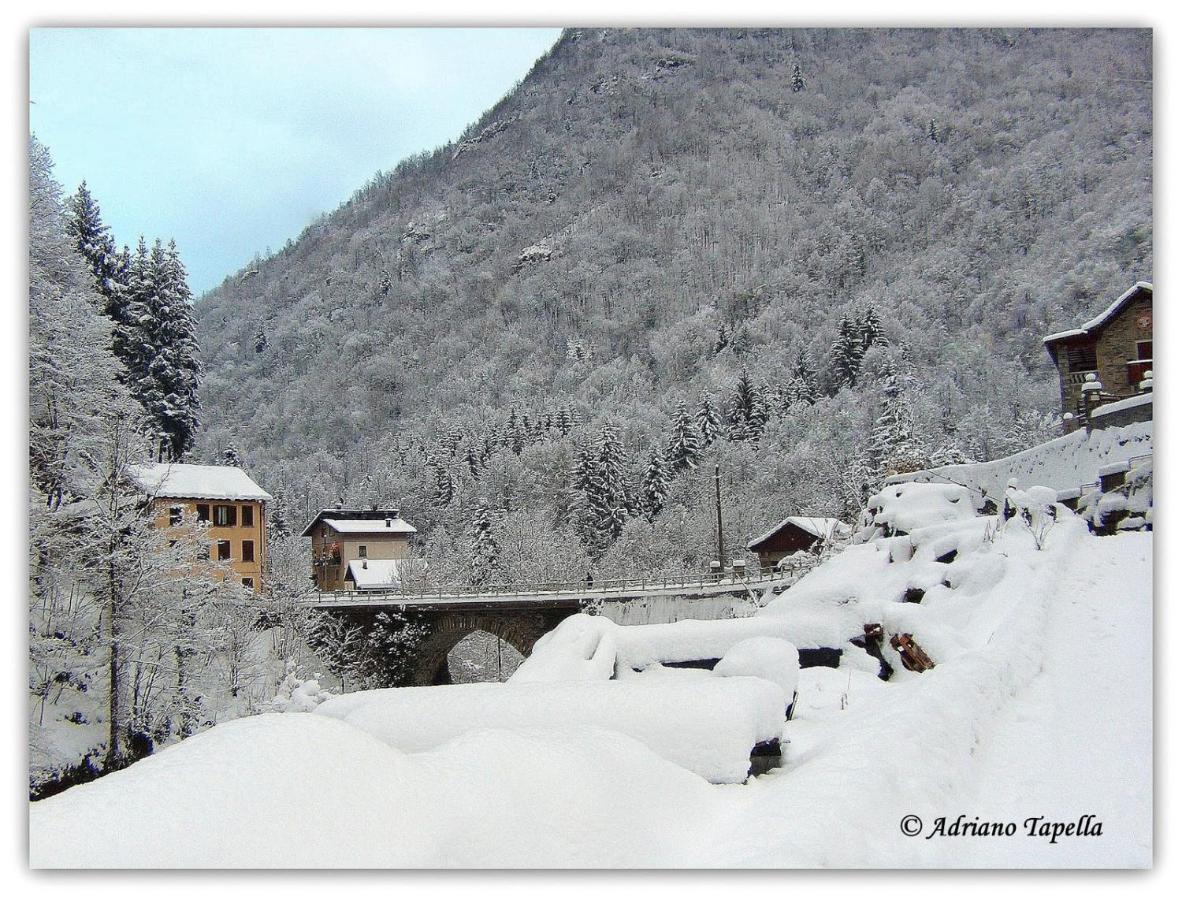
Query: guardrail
point(595, 589)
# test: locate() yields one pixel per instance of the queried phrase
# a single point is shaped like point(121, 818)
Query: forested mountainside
point(657, 217)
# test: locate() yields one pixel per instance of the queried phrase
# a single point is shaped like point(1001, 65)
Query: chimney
point(389, 521)
point(365, 564)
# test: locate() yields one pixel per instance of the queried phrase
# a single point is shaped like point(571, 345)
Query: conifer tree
point(706, 420)
point(609, 499)
point(444, 487)
point(684, 451)
point(846, 354)
point(872, 333)
point(483, 563)
point(563, 421)
point(654, 488)
point(746, 410)
point(797, 79)
point(161, 347)
point(806, 378)
point(894, 446)
point(231, 457)
point(84, 222)
point(579, 491)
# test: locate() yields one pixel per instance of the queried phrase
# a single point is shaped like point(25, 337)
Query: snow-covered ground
point(1039, 704)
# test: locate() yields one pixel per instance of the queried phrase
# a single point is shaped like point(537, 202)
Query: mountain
point(652, 213)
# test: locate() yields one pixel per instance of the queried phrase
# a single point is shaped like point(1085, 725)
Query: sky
point(230, 141)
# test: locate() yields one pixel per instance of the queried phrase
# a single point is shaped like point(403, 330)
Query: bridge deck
point(560, 596)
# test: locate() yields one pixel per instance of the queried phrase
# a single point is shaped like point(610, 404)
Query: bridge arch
point(520, 631)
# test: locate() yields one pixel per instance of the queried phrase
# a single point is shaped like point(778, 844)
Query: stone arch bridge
point(518, 618)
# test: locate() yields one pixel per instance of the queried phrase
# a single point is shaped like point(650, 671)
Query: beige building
point(358, 549)
point(1113, 351)
point(223, 496)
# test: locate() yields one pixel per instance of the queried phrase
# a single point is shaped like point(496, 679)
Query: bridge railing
point(595, 588)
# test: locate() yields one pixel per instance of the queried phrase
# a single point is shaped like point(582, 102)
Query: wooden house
point(358, 549)
point(1105, 361)
point(793, 535)
point(226, 498)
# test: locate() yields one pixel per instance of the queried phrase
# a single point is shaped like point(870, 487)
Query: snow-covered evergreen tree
point(706, 420)
point(797, 79)
point(846, 354)
point(806, 378)
point(483, 559)
point(872, 332)
point(162, 355)
point(894, 446)
point(684, 450)
point(609, 499)
point(94, 241)
point(655, 483)
point(748, 412)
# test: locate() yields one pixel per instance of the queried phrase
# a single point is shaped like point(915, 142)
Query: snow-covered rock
point(772, 659)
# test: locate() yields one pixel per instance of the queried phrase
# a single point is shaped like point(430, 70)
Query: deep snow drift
point(1038, 705)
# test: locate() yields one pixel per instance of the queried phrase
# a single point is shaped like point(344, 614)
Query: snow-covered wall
point(1065, 462)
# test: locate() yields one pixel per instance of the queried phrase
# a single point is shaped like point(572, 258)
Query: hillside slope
point(651, 212)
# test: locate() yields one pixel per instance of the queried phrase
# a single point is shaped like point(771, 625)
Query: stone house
point(225, 498)
point(1106, 359)
point(358, 549)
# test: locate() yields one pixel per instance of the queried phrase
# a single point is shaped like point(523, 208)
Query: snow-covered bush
point(297, 694)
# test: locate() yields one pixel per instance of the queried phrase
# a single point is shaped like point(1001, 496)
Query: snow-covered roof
point(1099, 321)
point(373, 574)
point(182, 480)
point(1118, 405)
point(818, 526)
point(371, 526)
point(361, 521)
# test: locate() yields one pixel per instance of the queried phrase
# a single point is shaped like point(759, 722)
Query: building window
point(223, 551)
point(248, 582)
point(174, 515)
point(248, 551)
point(202, 512)
point(225, 515)
point(361, 551)
point(248, 517)
point(1081, 359)
point(1145, 350)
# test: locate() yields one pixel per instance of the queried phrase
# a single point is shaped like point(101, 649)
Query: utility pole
point(718, 510)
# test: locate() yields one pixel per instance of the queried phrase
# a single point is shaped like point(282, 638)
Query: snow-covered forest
point(809, 256)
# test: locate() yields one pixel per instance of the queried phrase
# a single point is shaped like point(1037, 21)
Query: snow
point(1065, 462)
point(708, 727)
point(906, 507)
point(1113, 468)
point(371, 526)
point(308, 791)
point(297, 694)
point(373, 574)
point(183, 480)
point(593, 647)
point(1039, 704)
point(1120, 405)
point(772, 659)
